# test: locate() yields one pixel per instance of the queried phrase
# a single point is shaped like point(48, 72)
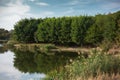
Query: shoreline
point(112, 51)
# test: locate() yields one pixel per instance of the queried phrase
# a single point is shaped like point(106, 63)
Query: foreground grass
point(98, 77)
point(98, 66)
point(102, 77)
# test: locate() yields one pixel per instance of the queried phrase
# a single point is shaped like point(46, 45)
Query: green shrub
point(47, 47)
point(106, 45)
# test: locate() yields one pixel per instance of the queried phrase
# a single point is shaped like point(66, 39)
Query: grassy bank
point(35, 47)
point(98, 63)
point(98, 66)
point(56, 48)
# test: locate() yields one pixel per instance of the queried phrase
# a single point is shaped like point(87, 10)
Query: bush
point(47, 47)
point(106, 45)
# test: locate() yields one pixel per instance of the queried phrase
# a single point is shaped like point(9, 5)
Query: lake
point(27, 65)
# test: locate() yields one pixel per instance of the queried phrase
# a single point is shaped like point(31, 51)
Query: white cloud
point(32, 0)
point(111, 5)
point(12, 12)
point(74, 2)
point(42, 4)
point(8, 21)
point(79, 2)
point(69, 11)
point(73, 12)
point(46, 14)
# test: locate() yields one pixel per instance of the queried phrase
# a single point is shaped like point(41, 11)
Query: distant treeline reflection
point(32, 62)
point(3, 49)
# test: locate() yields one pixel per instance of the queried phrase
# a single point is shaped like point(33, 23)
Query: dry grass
point(115, 51)
point(102, 77)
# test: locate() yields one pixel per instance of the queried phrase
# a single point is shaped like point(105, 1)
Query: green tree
point(25, 30)
point(4, 34)
point(80, 26)
point(65, 30)
point(95, 31)
point(43, 32)
point(109, 29)
point(80, 30)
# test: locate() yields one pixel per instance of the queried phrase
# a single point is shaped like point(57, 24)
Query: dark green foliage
point(27, 61)
point(80, 30)
point(4, 34)
point(92, 36)
point(24, 61)
point(65, 30)
point(25, 30)
point(109, 29)
point(79, 27)
point(94, 33)
point(43, 32)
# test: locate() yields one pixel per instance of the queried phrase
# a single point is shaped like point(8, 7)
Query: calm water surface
point(9, 72)
point(26, 65)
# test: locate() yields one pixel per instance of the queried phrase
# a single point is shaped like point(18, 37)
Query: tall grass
point(97, 63)
point(98, 66)
point(101, 77)
point(35, 47)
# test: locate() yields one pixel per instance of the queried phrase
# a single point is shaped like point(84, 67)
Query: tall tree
point(25, 30)
point(65, 30)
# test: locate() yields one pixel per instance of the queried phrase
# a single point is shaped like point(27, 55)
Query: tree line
point(4, 34)
point(78, 30)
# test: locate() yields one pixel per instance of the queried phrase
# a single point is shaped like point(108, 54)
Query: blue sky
point(12, 11)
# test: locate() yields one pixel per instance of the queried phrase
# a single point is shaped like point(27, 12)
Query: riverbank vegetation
point(98, 63)
point(97, 66)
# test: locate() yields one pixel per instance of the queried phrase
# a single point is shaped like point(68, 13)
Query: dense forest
point(77, 30)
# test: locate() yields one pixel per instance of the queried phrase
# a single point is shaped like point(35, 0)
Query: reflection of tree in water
point(24, 61)
point(40, 62)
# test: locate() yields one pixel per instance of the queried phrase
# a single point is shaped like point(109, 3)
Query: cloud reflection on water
point(8, 71)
